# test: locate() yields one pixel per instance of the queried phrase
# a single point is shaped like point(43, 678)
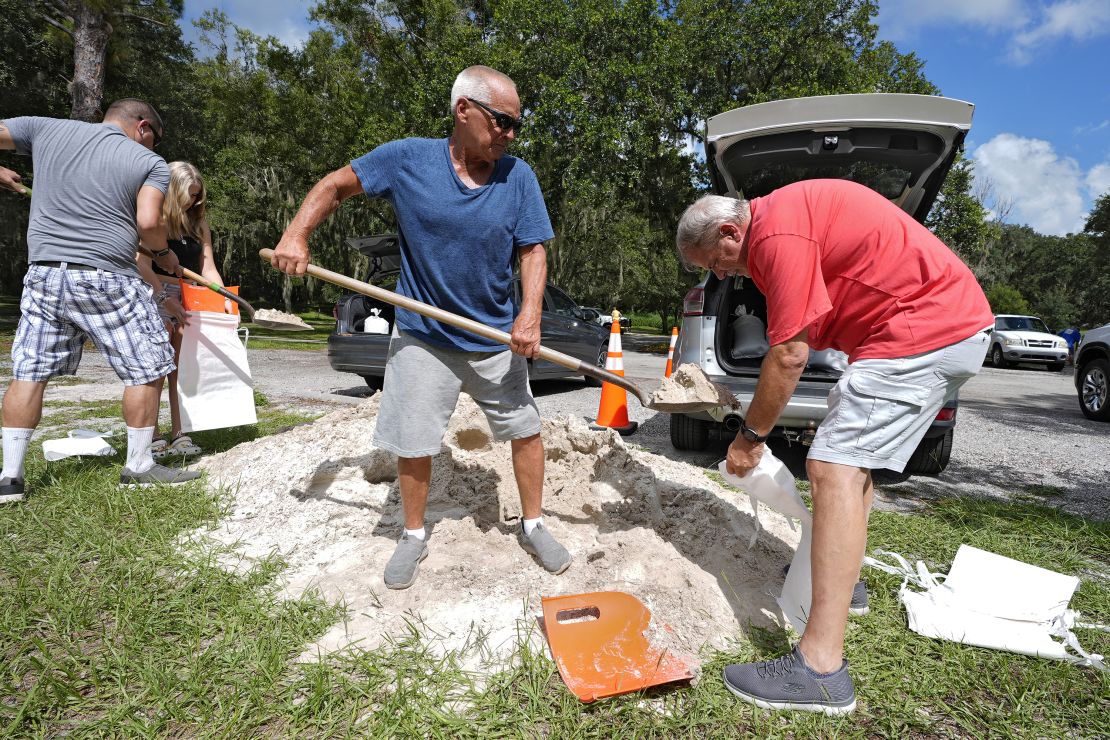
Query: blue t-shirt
point(457, 242)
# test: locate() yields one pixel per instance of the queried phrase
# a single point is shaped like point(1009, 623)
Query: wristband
point(161, 296)
point(163, 253)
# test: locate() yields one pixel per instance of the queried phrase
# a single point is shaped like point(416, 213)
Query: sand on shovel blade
point(690, 389)
point(271, 318)
point(324, 500)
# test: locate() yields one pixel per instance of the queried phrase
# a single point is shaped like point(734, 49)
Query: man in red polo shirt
point(842, 268)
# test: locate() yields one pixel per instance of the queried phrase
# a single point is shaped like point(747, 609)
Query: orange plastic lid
point(198, 298)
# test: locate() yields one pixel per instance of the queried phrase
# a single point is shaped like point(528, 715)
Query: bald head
point(481, 83)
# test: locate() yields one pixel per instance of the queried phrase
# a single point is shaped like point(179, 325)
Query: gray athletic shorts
point(881, 409)
point(61, 308)
point(422, 386)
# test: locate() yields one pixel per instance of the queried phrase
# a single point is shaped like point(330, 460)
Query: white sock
point(16, 441)
point(530, 524)
point(139, 459)
point(417, 533)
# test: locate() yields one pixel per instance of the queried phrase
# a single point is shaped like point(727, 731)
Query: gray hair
point(478, 82)
point(700, 223)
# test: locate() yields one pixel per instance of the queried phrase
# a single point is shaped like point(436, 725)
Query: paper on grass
point(79, 442)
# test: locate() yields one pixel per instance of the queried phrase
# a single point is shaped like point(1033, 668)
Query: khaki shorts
point(881, 409)
point(422, 386)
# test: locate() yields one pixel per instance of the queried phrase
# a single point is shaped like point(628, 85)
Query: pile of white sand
point(661, 530)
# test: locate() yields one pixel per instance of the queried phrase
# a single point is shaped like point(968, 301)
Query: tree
point(959, 219)
point(89, 25)
point(1007, 299)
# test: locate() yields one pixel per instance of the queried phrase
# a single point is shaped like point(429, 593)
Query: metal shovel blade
point(599, 645)
point(496, 335)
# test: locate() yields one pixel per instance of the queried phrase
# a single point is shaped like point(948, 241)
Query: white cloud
point(285, 19)
point(1077, 20)
point(901, 19)
point(1098, 180)
point(1030, 26)
point(1044, 188)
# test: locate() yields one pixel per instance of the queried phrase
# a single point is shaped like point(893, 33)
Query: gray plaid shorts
point(61, 308)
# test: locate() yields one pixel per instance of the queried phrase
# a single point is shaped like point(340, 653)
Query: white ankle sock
point(530, 524)
point(16, 441)
point(139, 459)
point(417, 533)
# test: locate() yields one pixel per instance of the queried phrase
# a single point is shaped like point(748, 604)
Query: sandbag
point(214, 384)
point(993, 601)
point(749, 336)
point(771, 483)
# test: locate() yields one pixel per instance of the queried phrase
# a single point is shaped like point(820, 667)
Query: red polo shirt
point(861, 273)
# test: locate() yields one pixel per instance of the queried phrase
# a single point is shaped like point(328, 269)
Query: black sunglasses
point(501, 120)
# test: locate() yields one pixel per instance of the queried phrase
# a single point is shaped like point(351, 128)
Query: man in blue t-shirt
point(465, 211)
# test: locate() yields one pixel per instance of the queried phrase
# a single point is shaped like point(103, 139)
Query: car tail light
point(946, 415)
point(694, 302)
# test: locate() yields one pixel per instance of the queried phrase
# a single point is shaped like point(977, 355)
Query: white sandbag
point(993, 601)
point(79, 442)
point(214, 384)
point(771, 483)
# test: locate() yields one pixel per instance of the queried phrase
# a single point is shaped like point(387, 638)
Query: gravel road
point(1020, 433)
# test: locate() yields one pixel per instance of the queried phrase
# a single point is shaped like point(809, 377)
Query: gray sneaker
point(788, 683)
point(400, 571)
point(12, 490)
point(158, 475)
point(859, 606)
point(553, 556)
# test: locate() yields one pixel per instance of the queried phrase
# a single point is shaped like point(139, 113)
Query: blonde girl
point(188, 235)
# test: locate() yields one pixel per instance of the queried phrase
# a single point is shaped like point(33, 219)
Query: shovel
point(496, 335)
point(278, 324)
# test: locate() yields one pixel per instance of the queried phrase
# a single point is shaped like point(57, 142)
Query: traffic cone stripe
point(670, 352)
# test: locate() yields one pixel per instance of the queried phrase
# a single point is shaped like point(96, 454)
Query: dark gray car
point(352, 350)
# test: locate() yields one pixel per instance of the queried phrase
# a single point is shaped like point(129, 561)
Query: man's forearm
point(320, 203)
point(146, 271)
point(778, 377)
point(533, 278)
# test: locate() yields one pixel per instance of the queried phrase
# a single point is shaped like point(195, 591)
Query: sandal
point(184, 446)
point(158, 448)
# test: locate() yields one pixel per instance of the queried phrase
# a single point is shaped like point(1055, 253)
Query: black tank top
point(188, 251)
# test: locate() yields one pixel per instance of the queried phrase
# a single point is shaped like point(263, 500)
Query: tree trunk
point(91, 31)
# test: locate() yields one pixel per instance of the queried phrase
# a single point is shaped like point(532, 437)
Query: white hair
point(477, 82)
point(703, 219)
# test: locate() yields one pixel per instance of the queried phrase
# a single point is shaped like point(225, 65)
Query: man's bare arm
point(152, 231)
point(533, 279)
point(291, 255)
point(778, 377)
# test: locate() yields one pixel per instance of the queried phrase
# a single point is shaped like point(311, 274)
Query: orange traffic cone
point(670, 352)
point(613, 411)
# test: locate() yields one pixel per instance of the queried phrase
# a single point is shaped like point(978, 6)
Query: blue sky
point(1037, 71)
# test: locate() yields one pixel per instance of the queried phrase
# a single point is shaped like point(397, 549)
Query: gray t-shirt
point(87, 178)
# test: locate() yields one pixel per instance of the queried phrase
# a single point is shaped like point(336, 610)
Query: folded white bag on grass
point(771, 483)
point(214, 383)
point(993, 601)
point(79, 442)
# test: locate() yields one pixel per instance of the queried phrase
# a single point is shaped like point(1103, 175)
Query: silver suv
point(901, 146)
point(1092, 372)
point(1026, 339)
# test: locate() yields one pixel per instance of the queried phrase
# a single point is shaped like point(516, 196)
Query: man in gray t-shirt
point(99, 189)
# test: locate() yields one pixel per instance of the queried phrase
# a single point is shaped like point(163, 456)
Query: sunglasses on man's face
point(501, 120)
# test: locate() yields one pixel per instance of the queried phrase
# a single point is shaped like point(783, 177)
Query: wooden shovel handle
point(496, 335)
point(200, 279)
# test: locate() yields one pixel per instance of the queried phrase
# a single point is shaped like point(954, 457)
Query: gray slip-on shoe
point(158, 475)
point(12, 490)
point(859, 606)
point(400, 571)
point(553, 556)
point(788, 683)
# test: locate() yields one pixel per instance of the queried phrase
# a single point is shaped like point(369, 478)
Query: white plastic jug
point(375, 324)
